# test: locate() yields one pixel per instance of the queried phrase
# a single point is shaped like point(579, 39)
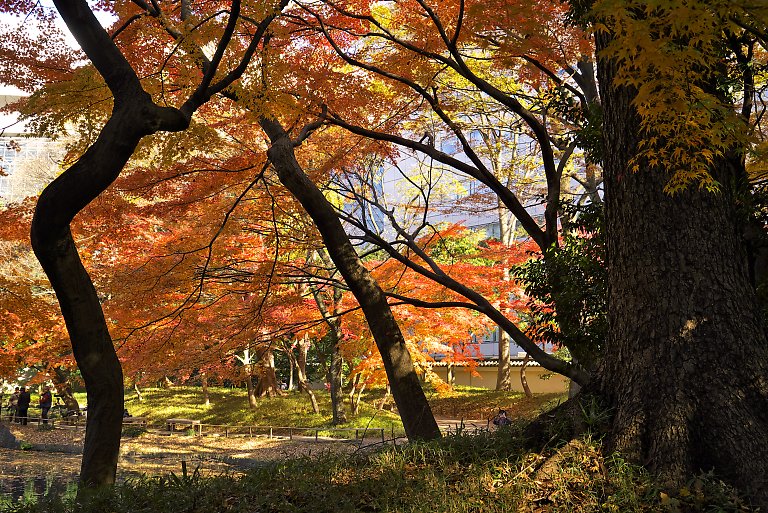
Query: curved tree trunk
point(138, 391)
point(524, 378)
point(91, 343)
point(685, 370)
point(411, 402)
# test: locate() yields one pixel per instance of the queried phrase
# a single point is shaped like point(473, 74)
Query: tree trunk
point(507, 227)
point(356, 394)
point(290, 372)
point(686, 360)
point(335, 379)
point(138, 391)
point(523, 378)
point(385, 398)
point(504, 374)
point(411, 402)
point(64, 390)
point(250, 389)
point(267, 385)
point(301, 373)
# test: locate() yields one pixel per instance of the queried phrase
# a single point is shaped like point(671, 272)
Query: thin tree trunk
point(335, 379)
point(385, 398)
point(290, 371)
point(356, 403)
point(138, 391)
point(523, 378)
point(250, 389)
point(507, 227)
point(504, 373)
point(301, 373)
point(353, 405)
point(411, 402)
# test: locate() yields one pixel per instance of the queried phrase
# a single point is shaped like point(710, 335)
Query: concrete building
point(27, 164)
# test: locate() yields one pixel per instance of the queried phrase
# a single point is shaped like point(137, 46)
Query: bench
point(173, 424)
point(135, 421)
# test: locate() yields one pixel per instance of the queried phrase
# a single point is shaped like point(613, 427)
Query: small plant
point(25, 446)
point(45, 427)
point(594, 415)
point(133, 431)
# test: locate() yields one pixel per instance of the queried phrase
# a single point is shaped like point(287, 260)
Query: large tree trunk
point(685, 370)
point(418, 420)
point(267, 385)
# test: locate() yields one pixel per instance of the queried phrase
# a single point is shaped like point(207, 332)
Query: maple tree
point(662, 100)
point(425, 67)
point(133, 116)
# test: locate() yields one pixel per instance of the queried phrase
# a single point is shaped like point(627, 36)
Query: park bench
point(135, 421)
point(174, 424)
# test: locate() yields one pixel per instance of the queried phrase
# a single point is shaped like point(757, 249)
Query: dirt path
point(56, 453)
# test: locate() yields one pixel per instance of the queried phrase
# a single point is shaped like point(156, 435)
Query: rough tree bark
point(418, 420)
point(267, 385)
point(685, 369)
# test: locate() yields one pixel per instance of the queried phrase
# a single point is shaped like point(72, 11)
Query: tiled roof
point(514, 362)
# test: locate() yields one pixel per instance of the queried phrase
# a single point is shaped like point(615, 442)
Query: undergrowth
point(490, 472)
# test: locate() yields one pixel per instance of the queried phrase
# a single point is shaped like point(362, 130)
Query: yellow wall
point(555, 383)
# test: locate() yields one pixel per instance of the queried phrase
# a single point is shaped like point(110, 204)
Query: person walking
point(23, 406)
point(13, 404)
point(46, 400)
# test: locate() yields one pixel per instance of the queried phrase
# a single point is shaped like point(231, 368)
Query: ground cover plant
point(490, 472)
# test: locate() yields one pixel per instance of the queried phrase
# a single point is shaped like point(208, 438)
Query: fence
point(289, 432)
point(233, 430)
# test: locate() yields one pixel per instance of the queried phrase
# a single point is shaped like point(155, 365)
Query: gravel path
point(57, 452)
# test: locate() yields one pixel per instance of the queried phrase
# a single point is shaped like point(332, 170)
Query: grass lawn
point(230, 406)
